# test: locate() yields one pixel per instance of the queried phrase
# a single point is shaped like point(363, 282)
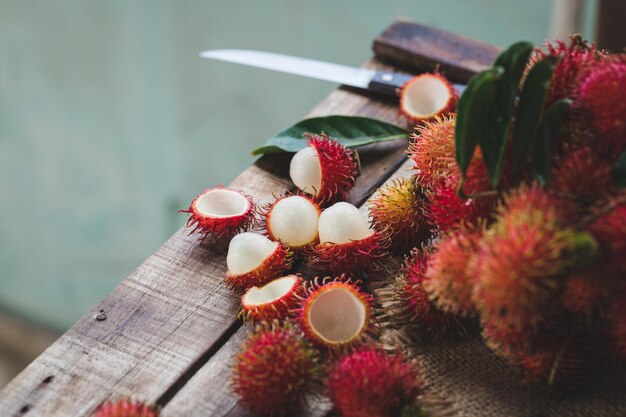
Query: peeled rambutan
point(293, 221)
point(220, 212)
point(125, 407)
point(617, 326)
point(600, 96)
point(253, 259)
point(581, 174)
point(347, 243)
point(432, 150)
point(275, 300)
point(325, 169)
point(372, 383)
point(274, 370)
point(426, 96)
point(609, 229)
point(335, 313)
point(448, 278)
point(398, 210)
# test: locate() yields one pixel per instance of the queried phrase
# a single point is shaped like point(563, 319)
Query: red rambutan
point(582, 294)
point(532, 203)
point(325, 169)
point(449, 280)
point(426, 96)
point(254, 260)
point(275, 300)
point(274, 370)
point(220, 213)
point(293, 221)
point(609, 229)
point(347, 243)
point(432, 150)
point(335, 313)
point(125, 407)
point(372, 383)
point(398, 210)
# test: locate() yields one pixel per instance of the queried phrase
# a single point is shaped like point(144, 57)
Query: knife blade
point(382, 82)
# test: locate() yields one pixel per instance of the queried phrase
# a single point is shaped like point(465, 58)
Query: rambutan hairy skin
point(372, 383)
point(363, 256)
point(432, 150)
point(281, 309)
point(609, 229)
point(217, 228)
point(275, 370)
point(448, 278)
point(582, 294)
point(399, 210)
point(125, 407)
point(340, 168)
point(532, 203)
point(274, 266)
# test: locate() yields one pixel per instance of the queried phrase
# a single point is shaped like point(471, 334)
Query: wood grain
point(416, 47)
point(147, 338)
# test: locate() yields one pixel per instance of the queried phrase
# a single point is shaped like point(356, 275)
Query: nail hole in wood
point(101, 316)
point(25, 409)
point(48, 379)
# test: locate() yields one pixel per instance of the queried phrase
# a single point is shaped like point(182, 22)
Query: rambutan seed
point(372, 383)
point(125, 407)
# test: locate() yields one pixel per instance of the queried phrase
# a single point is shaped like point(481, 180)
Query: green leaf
point(619, 171)
point(546, 134)
point(529, 112)
point(349, 130)
point(493, 142)
point(472, 111)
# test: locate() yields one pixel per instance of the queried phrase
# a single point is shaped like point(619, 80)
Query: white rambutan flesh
point(220, 203)
point(343, 223)
point(293, 220)
point(305, 171)
point(274, 300)
point(427, 96)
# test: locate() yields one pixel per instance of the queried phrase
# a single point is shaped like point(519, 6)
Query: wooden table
point(167, 333)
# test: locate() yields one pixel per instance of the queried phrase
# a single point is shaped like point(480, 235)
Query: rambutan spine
point(126, 407)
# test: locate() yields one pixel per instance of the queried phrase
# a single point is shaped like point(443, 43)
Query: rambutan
point(600, 97)
point(559, 364)
point(275, 300)
point(398, 209)
point(432, 150)
point(253, 259)
point(325, 169)
point(293, 221)
point(449, 280)
point(609, 229)
point(372, 383)
point(582, 294)
point(347, 243)
point(335, 313)
point(274, 370)
point(426, 96)
point(220, 213)
point(125, 407)
point(532, 203)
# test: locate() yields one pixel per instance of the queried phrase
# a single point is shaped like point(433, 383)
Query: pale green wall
point(109, 121)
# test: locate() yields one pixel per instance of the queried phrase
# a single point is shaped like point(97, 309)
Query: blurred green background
point(109, 121)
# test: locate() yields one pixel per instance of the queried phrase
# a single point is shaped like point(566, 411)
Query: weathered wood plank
point(173, 312)
point(418, 47)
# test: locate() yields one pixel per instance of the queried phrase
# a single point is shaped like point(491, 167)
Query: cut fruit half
point(253, 259)
point(426, 96)
point(293, 220)
point(336, 314)
point(275, 300)
point(220, 213)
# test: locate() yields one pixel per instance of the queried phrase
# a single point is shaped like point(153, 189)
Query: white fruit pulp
point(247, 251)
point(293, 220)
point(426, 96)
point(222, 203)
point(305, 170)
point(343, 223)
point(270, 292)
point(337, 315)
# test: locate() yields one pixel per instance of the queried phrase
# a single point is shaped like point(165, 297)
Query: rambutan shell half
point(253, 259)
point(125, 407)
point(335, 314)
point(220, 212)
point(293, 220)
point(275, 300)
point(426, 96)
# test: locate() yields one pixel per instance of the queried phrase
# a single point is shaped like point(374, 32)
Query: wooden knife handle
point(415, 47)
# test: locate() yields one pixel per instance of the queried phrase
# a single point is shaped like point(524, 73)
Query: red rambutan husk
point(280, 309)
point(219, 228)
point(125, 407)
point(432, 150)
point(447, 108)
point(582, 294)
point(372, 383)
point(530, 203)
point(609, 229)
point(339, 166)
point(398, 210)
point(274, 370)
point(272, 267)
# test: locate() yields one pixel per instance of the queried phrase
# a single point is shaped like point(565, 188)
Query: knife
point(382, 82)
